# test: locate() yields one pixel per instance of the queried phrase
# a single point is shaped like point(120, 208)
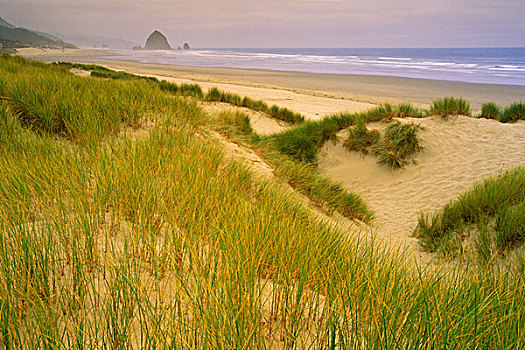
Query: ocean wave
point(395, 58)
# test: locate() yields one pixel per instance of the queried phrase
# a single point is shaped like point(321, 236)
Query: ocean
point(475, 65)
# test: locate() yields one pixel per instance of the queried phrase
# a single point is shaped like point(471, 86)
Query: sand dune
point(458, 152)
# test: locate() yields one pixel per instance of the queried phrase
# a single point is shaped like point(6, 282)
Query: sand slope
point(458, 152)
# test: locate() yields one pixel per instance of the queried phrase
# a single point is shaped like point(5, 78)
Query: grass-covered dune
point(122, 227)
point(493, 208)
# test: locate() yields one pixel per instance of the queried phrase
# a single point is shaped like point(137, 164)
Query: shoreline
point(372, 89)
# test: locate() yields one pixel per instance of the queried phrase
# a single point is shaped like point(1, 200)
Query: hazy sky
point(282, 23)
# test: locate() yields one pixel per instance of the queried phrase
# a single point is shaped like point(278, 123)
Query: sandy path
point(458, 152)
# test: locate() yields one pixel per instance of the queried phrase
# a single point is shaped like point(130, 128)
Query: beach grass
point(449, 106)
point(193, 90)
point(55, 102)
point(120, 75)
point(303, 177)
point(235, 122)
point(491, 110)
point(360, 139)
point(509, 226)
point(408, 110)
point(399, 145)
point(303, 142)
point(149, 237)
point(513, 113)
point(280, 113)
point(493, 206)
point(389, 111)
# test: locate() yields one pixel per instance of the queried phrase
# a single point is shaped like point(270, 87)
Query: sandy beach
point(457, 152)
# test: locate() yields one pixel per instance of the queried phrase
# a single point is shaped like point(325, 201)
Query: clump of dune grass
point(495, 205)
point(235, 122)
point(184, 89)
point(407, 110)
point(389, 111)
point(103, 72)
point(303, 142)
point(256, 105)
point(509, 225)
point(193, 90)
point(214, 95)
point(324, 193)
point(513, 113)
point(281, 113)
point(400, 143)
point(81, 66)
point(120, 75)
point(285, 114)
point(491, 110)
point(448, 106)
point(383, 111)
point(299, 145)
point(48, 99)
point(361, 139)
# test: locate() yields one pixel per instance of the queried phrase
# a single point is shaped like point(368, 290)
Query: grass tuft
point(510, 226)
point(513, 113)
point(193, 90)
point(361, 139)
point(492, 199)
point(235, 122)
point(490, 110)
point(303, 142)
point(449, 106)
point(399, 145)
point(407, 110)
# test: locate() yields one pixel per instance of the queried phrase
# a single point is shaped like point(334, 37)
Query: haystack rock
point(157, 41)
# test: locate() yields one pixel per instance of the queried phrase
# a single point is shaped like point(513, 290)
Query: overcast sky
point(282, 23)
